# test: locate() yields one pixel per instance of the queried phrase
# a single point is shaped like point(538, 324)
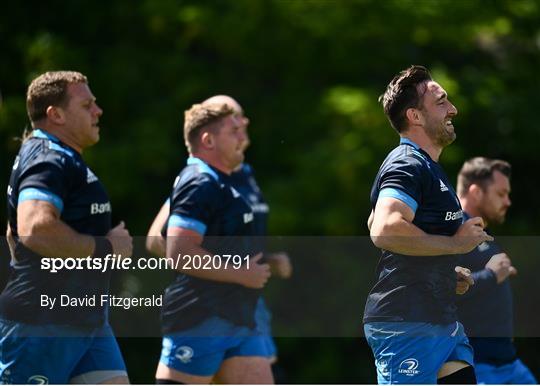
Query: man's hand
point(256, 276)
point(501, 265)
point(280, 264)
point(464, 280)
point(121, 240)
point(470, 234)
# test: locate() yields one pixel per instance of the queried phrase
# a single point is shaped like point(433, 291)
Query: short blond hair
point(201, 116)
point(50, 89)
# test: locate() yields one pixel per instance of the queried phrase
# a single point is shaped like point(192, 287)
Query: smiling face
point(81, 115)
point(437, 113)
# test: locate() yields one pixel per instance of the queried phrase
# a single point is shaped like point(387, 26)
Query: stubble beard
point(440, 135)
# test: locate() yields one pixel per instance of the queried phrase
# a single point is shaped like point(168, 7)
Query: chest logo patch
point(444, 188)
point(90, 176)
point(235, 193)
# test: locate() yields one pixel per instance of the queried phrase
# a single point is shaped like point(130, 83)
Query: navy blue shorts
point(201, 349)
point(58, 354)
point(407, 352)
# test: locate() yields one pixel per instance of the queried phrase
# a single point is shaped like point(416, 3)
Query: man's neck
point(470, 209)
point(62, 135)
point(425, 143)
point(212, 161)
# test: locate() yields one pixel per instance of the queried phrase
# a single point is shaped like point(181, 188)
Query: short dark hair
point(49, 89)
point(479, 171)
point(402, 94)
point(200, 116)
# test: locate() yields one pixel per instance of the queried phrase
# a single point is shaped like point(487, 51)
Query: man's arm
point(41, 230)
point(155, 242)
point(183, 241)
point(10, 241)
point(497, 270)
point(392, 229)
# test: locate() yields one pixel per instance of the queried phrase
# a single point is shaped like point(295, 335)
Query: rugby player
point(243, 180)
point(417, 221)
point(208, 316)
point(484, 190)
point(58, 208)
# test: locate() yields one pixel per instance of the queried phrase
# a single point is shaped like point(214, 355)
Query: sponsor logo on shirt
point(451, 216)
point(184, 354)
point(409, 367)
point(443, 186)
point(97, 208)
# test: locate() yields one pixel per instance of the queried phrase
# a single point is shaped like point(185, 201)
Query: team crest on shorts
point(184, 354)
point(409, 367)
point(38, 380)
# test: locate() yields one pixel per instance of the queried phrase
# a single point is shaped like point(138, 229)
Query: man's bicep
point(182, 240)
point(159, 221)
point(388, 208)
point(32, 212)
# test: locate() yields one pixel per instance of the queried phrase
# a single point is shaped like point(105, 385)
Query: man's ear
point(56, 115)
point(207, 140)
point(476, 192)
point(414, 116)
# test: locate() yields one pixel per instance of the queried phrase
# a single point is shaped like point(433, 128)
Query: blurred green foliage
point(308, 74)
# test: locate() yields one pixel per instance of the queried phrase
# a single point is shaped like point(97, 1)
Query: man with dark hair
point(208, 315)
point(57, 208)
point(484, 190)
point(410, 316)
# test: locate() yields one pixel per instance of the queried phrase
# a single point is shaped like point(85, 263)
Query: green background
point(308, 74)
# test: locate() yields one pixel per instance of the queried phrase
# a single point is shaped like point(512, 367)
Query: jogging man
point(243, 180)
point(57, 208)
point(410, 316)
point(209, 314)
point(484, 190)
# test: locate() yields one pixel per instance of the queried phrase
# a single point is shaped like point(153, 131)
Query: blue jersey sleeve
point(403, 179)
point(193, 204)
point(46, 181)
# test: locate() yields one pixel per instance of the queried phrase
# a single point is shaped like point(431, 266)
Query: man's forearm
point(156, 245)
point(54, 238)
point(407, 239)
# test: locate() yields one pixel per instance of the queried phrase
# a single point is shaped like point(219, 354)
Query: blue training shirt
point(47, 169)
point(416, 288)
point(486, 309)
point(204, 200)
point(243, 180)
